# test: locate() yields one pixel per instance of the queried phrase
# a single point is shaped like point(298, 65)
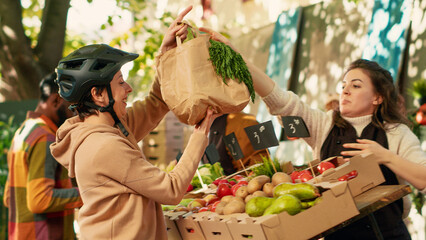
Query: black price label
point(212, 154)
point(262, 135)
point(233, 146)
point(294, 126)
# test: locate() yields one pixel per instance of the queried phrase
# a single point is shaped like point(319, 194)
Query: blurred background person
point(38, 191)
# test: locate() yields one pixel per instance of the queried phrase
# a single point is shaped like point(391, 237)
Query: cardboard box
point(214, 227)
point(189, 226)
point(336, 207)
point(171, 227)
point(368, 176)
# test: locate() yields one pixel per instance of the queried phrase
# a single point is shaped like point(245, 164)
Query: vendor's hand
point(365, 147)
point(175, 29)
point(217, 36)
point(206, 123)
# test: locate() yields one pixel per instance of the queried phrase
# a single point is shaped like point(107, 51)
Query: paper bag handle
point(195, 32)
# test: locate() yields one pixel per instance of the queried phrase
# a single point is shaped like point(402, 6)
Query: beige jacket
point(121, 191)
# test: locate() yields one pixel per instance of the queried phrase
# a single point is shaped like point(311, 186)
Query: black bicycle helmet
point(89, 66)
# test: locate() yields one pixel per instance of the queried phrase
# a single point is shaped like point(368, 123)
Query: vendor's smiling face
point(120, 90)
point(358, 97)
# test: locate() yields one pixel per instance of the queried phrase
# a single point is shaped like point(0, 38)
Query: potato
point(239, 199)
point(220, 207)
point(280, 177)
point(242, 192)
point(234, 207)
point(268, 188)
point(260, 193)
point(227, 198)
point(250, 196)
point(257, 183)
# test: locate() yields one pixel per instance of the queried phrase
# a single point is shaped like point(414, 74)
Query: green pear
point(303, 191)
point(312, 203)
point(257, 205)
point(286, 202)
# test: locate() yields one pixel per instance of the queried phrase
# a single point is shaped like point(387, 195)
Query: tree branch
point(51, 38)
point(19, 69)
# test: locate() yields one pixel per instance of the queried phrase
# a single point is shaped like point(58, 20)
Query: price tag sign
point(294, 126)
point(262, 135)
point(178, 156)
point(233, 146)
point(212, 154)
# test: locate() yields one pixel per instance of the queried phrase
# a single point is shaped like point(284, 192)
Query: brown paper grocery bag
point(189, 83)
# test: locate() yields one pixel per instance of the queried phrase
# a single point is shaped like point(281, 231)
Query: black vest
point(389, 218)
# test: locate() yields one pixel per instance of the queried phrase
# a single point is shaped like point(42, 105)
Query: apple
point(211, 198)
point(322, 166)
point(197, 203)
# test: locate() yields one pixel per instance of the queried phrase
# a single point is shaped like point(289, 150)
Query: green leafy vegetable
point(208, 173)
point(230, 64)
point(267, 168)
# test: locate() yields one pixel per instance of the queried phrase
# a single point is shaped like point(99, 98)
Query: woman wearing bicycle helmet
point(121, 191)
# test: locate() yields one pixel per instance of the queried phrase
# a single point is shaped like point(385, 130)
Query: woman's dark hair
point(389, 110)
point(84, 110)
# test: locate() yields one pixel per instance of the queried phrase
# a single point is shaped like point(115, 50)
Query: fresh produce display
point(230, 64)
point(259, 196)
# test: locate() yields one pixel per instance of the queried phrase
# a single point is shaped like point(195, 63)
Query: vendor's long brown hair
point(391, 109)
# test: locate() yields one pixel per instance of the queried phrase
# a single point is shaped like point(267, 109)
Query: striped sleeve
point(48, 187)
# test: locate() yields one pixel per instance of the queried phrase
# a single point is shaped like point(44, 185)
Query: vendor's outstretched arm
point(263, 84)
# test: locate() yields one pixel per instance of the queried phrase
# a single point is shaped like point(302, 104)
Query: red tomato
point(304, 177)
point(420, 117)
point(223, 189)
point(322, 166)
point(294, 175)
point(353, 174)
point(343, 178)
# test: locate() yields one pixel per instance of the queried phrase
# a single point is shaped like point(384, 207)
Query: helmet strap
point(109, 108)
